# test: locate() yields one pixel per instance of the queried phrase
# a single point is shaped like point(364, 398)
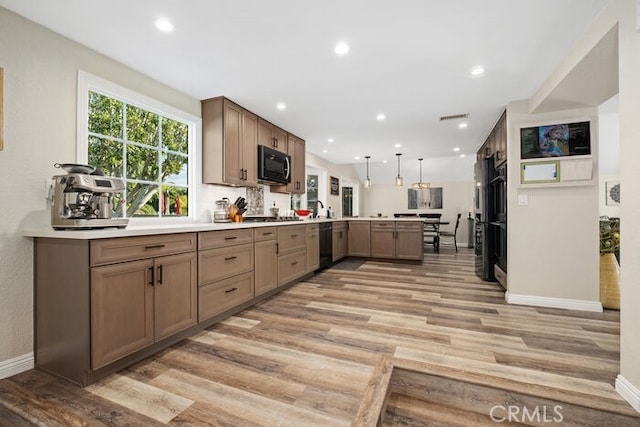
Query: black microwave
point(273, 166)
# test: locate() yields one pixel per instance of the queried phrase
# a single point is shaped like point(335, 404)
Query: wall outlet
point(523, 200)
point(48, 188)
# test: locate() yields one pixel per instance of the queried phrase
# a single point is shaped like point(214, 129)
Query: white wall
point(345, 173)
point(609, 164)
point(553, 241)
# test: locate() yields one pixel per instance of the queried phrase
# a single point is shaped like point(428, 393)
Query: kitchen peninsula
point(105, 299)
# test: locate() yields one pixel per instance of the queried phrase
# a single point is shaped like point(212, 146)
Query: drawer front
point(265, 233)
point(292, 238)
point(221, 296)
point(220, 239)
point(313, 228)
point(409, 226)
point(339, 226)
point(291, 266)
point(220, 263)
point(119, 249)
point(383, 225)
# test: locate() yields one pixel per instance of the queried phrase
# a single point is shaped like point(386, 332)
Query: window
point(146, 143)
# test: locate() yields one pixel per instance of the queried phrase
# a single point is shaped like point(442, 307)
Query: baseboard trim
point(570, 304)
point(628, 391)
point(11, 367)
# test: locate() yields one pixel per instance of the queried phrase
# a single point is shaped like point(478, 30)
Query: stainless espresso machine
point(83, 200)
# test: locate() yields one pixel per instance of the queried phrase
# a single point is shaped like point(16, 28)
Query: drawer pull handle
point(151, 275)
point(267, 234)
point(294, 263)
point(293, 236)
point(229, 258)
point(155, 246)
point(231, 238)
point(160, 274)
point(228, 291)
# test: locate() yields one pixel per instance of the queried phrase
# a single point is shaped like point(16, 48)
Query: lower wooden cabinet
point(383, 243)
point(339, 242)
point(266, 266)
point(359, 238)
point(134, 304)
point(291, 267)
point(218, 297)
point(313, 247)
point(397, 240)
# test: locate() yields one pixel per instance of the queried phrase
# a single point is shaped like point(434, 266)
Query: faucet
point(321, 205)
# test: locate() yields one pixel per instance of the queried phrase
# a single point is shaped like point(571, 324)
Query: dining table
point(431, 229)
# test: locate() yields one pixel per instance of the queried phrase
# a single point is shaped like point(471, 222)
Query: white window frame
point(90, 83)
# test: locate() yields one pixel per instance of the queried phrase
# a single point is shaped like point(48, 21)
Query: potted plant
point(609, 265)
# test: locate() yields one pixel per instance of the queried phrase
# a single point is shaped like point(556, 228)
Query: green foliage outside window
point(146, 149)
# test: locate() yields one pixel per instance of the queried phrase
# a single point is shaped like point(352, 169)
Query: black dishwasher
point(326, 244)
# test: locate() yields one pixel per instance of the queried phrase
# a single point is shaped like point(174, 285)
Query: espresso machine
point(82, 200)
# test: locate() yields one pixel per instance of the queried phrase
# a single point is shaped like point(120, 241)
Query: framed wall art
point(335, 186)
point(612, 193)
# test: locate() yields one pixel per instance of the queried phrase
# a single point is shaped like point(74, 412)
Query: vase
point(609, 281)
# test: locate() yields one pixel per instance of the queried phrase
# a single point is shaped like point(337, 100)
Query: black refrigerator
point(485, 258)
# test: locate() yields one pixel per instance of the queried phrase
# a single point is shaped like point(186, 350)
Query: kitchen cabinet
point(397, 240)
point(292, 253)
point(500, 140)
point(229, 143)
point(272, 136)
point(225, 270)
point(340, 240)
point(266, 259)
point(135, 303)
point(313, 247)
point(359, 238)
point(296, 149)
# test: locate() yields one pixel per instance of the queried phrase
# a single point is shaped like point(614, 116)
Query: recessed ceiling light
point(461, 155)
point(325, 151)
point(384, 161)
point(357, 157)
point(477, 70)
point(281, 106)
point(462, 125)
point(342, 48)
point(397, 145)
point(330, 140)
point(380, 117)
point(456, 149)
point(164, 24)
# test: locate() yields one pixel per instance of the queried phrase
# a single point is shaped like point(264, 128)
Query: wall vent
point(454, 117)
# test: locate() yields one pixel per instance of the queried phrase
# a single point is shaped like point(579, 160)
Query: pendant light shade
point(399, 181)
point(367, 181)
point(420, 185)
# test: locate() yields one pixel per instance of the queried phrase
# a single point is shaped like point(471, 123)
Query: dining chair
point(453, 233)
point(431, 230)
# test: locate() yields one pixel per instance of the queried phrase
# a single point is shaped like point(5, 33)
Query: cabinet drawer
point(339, 226)
point(265, 233)
point(383, 225)
point(409, 226)
point(291, 266)
point(313, 227)
point(220, 263)
point(221, 296)
point(292, 238)
point(220, 239)
point(110, 251)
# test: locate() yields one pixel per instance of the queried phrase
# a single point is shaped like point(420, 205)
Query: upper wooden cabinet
point(271, 136)
point(296, 149)
point(496, 143)
point(229, 143)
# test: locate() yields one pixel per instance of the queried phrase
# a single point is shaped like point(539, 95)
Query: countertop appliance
point(273, 166)
point(85, 200)
point(221, 212)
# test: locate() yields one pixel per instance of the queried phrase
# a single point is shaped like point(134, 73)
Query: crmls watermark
point(523, 414)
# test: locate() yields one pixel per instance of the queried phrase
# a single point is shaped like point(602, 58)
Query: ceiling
point(408, 59)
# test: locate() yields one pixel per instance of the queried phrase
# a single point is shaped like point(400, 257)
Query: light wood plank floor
point(305, 357)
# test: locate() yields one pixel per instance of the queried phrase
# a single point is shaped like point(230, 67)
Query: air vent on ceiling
point(454, 117)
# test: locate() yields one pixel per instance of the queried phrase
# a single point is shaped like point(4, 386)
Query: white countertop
point(144, 230)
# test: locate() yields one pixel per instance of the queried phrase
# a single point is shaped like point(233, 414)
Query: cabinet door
point(339, 242)
point(232, 169)
point(121, 310)
point(280, 139)
point(383, 242)
point(291, 266)
point(292, 238)
point(501, 140)
point(271, 136)
point(409, 241)
point(266, 266)
point(313, 248)
point(249, 148)
point(359, 238)
point(176, 305)
point(218, 297)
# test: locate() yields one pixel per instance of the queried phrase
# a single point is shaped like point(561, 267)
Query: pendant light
point(420, 185)
point(399, 182)
point(367, 181)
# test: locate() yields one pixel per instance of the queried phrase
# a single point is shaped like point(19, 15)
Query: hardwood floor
point(314, 353)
